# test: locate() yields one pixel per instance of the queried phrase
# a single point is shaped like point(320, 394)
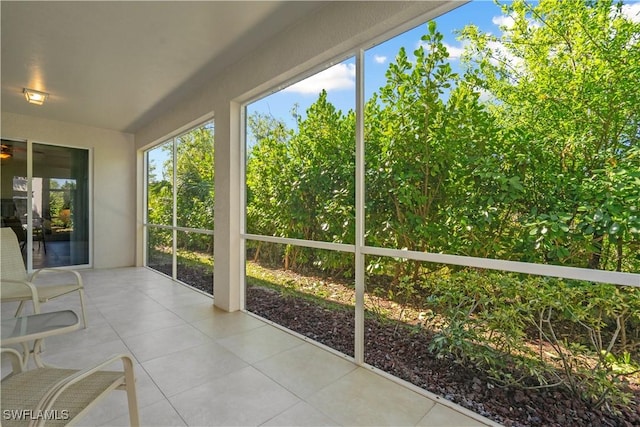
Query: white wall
point(337, 29)
point(113, 176)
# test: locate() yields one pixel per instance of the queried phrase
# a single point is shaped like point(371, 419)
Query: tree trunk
point(594, 260)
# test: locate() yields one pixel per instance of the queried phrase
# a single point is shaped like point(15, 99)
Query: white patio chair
point(17, 285)
point(59, 397)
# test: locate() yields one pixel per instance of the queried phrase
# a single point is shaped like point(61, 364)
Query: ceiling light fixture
point(35, 96)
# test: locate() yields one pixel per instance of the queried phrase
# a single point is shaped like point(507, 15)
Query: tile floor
point(200, 366)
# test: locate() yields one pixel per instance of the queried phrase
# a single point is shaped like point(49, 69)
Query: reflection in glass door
point(53, 224)
point(60, 190)
point(13, 188)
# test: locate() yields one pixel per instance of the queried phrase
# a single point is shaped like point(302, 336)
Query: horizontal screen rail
point(559, 271)
point(587, 274)
point(186, 229)
point(299, 242)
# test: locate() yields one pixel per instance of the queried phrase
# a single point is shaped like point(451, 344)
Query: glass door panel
point(60, 206)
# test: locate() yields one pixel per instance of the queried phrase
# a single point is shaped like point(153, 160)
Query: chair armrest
point(30, 286)
point(17, 361)
point(77, 275)
point(54, 392)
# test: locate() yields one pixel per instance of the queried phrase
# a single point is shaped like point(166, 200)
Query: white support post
point(360, 189)
point(174, 210)
point(226, 243)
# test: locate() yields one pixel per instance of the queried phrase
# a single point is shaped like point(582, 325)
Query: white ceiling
point(118, 65)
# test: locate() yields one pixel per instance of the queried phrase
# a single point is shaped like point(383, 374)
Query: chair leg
point(25, 355)
point(44, 242)
point(132, 399)
point(36, 308)
point(84, 312)
point(19, 310)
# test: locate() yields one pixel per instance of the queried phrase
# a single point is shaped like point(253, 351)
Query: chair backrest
point(15, 224)
point(11, 262)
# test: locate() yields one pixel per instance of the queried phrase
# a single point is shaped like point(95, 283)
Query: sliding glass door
point(45, 200)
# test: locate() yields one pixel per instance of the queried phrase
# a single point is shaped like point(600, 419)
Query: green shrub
point(537, 332)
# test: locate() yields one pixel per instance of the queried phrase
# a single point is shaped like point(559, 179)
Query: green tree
point(429, 142)
point(160, 189)
point(195, 191)
point(300, 184)
point(195, 178)
point(268, 210)
point(563, 79)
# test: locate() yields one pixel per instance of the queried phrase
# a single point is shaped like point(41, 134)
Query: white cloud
point(338, 77)
point(503, 21)
point(455, 52)
point(507, 22)
point(501, 52)
point(485, 96)
point(380, 59)
point(631, 12)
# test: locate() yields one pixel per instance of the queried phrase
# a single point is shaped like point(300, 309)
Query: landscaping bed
point(401, 350)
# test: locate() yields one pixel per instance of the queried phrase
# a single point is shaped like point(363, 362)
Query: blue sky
point(339, 80)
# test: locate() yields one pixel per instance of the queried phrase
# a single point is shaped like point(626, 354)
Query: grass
point(330, 289)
